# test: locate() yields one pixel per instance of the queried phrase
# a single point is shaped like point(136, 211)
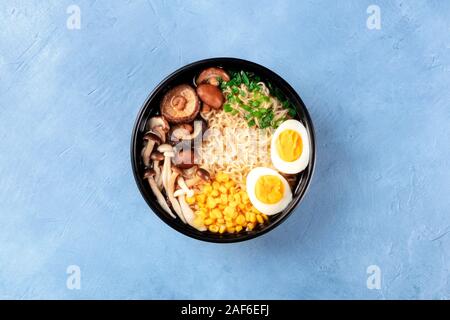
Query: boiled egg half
point(268, 191)
point(289, 147)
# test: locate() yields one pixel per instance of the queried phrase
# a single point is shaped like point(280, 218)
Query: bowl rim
point(135, 162)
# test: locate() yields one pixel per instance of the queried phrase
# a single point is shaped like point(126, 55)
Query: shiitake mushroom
point(180, 104)
point(212, 76)
point(210, 95)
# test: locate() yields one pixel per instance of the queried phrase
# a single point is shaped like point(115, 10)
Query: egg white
point(302, 162)
point(268, 209)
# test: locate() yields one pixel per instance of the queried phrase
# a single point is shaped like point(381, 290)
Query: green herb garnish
point(257, 109)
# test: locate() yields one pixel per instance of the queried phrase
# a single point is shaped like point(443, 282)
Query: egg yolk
point(269, 189)
point(289, 145)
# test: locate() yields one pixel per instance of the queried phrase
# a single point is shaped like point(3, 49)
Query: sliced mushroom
point(180, 132)
point(186, 132)
point(212, 76)
point(206, 108)
point(180, 104)
point(157, 157)
point(179, 192)
point(201, 175)
point(189, 214)
point(152, 139)
point(159, 125)
point(167, 150)
point(181, 184)
point(184, 158)
point(211, 95)
point(189, 173)
point(185, 188)
point(170, 193)
point(156, 122)
point(149, 174)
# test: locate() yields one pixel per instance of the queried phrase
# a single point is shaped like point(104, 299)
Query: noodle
point(231, 146)
point(247, 96)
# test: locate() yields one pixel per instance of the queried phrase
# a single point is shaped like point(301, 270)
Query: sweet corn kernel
point(222, 177)
point(190, 200)
point(266, 218)
point(198, 221)
point(216, 214)
point(215, 193)
point(224, 198)
point(259, 218)
point(229, 184)
point(233, 204)
point(229, 211)
point(240, 219)
point(211, 203)
point(231, 229)
point(214, 228)
point(222, 207)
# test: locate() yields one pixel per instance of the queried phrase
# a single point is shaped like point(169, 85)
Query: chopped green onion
point(256, 103)
point(292, 112)
point(246, 108)
point(227, 107)
point(257, 114)
point(238, 79)
point(245, 78)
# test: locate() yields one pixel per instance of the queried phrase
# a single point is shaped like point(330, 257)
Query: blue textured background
point(379, 100)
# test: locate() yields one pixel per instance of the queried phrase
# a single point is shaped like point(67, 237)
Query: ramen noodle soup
point(223, 154)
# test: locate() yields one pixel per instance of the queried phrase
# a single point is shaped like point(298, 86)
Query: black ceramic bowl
point(186, 75)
